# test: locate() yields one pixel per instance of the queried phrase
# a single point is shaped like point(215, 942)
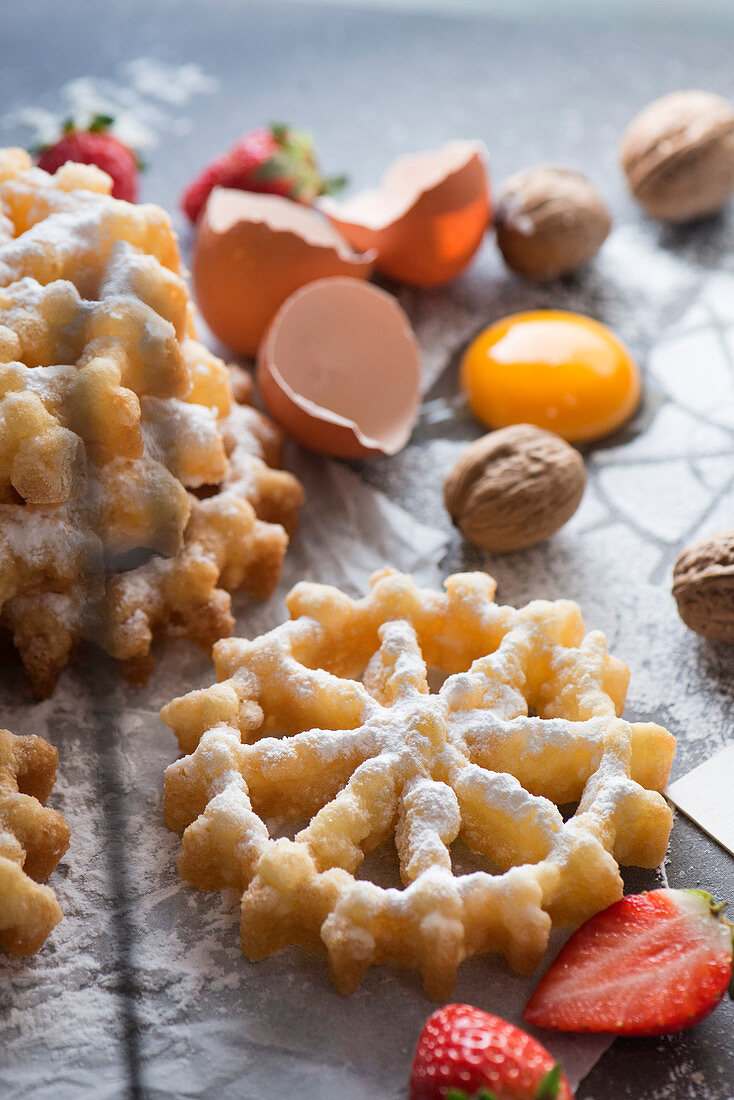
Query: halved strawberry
point(466, 1054)
point(648, 965)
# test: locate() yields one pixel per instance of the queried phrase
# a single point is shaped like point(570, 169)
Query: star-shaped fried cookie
point(521, 753)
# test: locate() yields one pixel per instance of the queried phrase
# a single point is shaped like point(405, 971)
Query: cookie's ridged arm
point(506, 913)
point(76, 244)
point(292, 777)
point(190, 716)
point(500, 820)
point(584, 681)
point(653, 749)
point(29, 912)
point(33, 838)
point(429, 821)
point(299, 698)
point(297, 775)
point(43, 461)
point(360, 818)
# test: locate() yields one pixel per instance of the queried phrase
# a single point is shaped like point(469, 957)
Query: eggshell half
point(340, 369)
point(427, 218)
point(252, 251)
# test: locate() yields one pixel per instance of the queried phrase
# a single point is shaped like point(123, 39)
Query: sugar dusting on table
point(146, 98)
point(614, 556)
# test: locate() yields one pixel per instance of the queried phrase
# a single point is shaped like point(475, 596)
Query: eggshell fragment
point(252, 251)
point(340, 370)
point(427, 218)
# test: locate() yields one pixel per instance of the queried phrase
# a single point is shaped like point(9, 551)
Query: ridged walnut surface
point(330, 716)
point(135, 493)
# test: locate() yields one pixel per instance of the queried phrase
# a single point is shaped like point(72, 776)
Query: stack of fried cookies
point(138, 488)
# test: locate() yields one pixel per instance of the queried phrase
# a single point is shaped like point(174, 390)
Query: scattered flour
point(197, 1003)
point(145, 99)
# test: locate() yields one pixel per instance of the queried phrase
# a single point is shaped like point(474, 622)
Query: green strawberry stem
point(551, 1084)
point(100, 123)
point(717, 909)
point(296, 159)
point(280, 131)
point(459, 1094)
point(275, 168)
point(97, 125)
point(334, 184)
point(548, 1088)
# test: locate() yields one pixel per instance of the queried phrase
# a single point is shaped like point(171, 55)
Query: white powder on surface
point(174, 84)
point(145, 100)
point(206, 1018)
point(198, 1001)
point(60, 1012)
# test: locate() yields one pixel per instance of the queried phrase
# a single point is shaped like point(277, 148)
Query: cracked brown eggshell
point(426, 219)
point(252, 251)
point(340, 370)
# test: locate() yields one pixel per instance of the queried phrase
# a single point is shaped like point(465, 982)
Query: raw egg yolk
point(562, 371)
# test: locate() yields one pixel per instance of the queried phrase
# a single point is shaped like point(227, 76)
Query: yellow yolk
point(561, 371)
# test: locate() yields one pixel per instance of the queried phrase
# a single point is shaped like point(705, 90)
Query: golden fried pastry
point(32, 841)
point(136, 491)
point(330, 717)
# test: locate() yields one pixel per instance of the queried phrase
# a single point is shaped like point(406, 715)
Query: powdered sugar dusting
point(198, 1003)
point(197, 996)
point(145, 100)
point(174, 84)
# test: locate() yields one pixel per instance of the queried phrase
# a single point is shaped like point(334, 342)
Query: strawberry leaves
point(550, 1086)
point(275, 159)
point(548, 1089)
point(100, 123)
point(96, 144)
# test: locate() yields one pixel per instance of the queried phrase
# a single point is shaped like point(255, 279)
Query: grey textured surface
point(373, 84)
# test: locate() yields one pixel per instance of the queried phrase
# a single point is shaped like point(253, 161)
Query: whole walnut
point(514, 487)
point(549, 222)
point(703, 586)
point(678, 155)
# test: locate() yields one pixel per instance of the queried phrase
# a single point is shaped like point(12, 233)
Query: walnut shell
point(514, 487)
point(703, 586)
point(678, 155)
point(549, 221)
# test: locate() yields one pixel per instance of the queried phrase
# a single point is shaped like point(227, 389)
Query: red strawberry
point(465, 1053)
point(275, 160)
point(95, 145)
point(648, 965)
